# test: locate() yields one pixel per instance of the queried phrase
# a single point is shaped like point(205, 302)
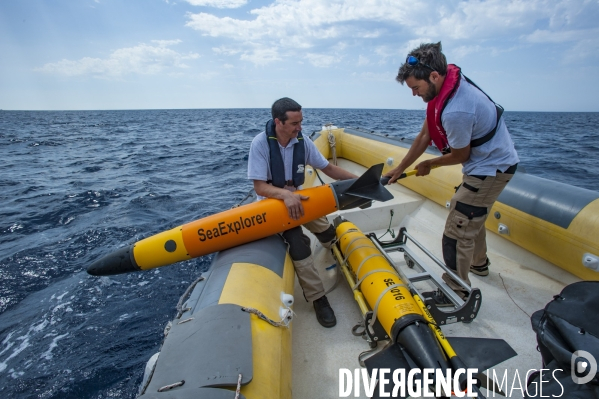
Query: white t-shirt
point(469, 115)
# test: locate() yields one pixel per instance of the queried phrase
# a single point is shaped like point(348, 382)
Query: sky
point(528, 55)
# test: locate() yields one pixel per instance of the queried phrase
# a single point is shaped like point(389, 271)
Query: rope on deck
point(283, 323)
point(171, 386)
point(180, 309)
point(238, 390)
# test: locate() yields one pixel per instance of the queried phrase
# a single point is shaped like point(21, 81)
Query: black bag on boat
point(568, 339)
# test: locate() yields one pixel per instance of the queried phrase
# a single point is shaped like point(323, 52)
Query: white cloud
point(142, 59)
point(363, 60)
point(475, 19)
point(547, 36)
point(218, 3)
point(166, 43)
point(588, 48)
point(208, 75)
point(261, 56)
point(225, 50)
point(385, 52)
point(214, 26)
point(322, 60)
point(311, 20)
point(377, 77)
point(461, 52)
point(286, 26)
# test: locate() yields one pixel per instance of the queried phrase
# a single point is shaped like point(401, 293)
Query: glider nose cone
point(118, 262)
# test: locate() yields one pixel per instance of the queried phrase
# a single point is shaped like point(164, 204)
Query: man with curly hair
point(466, 125)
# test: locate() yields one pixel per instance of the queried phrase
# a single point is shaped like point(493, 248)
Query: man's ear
point(434, 76)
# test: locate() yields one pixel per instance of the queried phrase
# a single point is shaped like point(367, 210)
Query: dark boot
point(481, 270)
point(324, 312)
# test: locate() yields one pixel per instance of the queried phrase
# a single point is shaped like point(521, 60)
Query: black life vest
point(277, 167)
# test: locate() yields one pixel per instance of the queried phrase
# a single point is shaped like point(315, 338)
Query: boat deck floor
point(519, 284)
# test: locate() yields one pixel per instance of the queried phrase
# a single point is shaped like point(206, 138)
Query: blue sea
point(76, 185)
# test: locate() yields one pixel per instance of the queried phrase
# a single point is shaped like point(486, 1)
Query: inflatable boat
point(244, 330)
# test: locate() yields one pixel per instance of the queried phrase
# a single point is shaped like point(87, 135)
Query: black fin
point(481, 353)
point(369, 185)
point(360, 192)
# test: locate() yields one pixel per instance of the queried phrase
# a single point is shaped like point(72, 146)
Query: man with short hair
point(467, 127)
point(276, 164)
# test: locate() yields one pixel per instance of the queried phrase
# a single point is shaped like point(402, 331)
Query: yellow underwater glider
point(240, 225)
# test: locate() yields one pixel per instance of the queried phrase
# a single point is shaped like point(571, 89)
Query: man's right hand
point(293, 202)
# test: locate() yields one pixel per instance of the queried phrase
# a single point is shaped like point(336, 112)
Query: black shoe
point(440, 299)
point(324, 312)
point(481, 270)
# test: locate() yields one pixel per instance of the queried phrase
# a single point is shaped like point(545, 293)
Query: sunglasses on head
point(413, 61)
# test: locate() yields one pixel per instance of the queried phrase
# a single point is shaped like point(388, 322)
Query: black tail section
point(359, 192)
point(479, 353)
